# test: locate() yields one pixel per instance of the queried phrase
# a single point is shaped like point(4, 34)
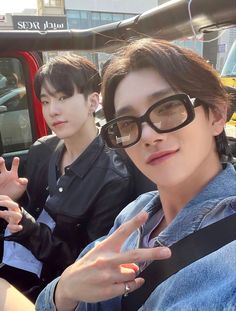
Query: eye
point(170, 107)
point(62, 98)
point(125, 124)
point(44, 102)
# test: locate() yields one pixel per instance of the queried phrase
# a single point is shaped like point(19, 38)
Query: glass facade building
point(82, 19)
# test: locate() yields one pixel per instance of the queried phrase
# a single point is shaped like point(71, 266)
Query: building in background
point(6, 22)
point(50, 7)
point(87, 14)
point(81, 14)
point(224, 44)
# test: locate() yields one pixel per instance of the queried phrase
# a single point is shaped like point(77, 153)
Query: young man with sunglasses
point(167, 108)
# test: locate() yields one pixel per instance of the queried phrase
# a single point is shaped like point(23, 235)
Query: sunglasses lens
point(169, 115)
point(122, 133)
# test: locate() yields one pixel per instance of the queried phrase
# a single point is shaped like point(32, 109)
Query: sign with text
point(43, 23)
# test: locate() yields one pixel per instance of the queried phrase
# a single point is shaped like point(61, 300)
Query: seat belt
point(184, 252)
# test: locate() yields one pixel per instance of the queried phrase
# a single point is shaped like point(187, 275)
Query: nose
point(149, 136)
point(54, 108)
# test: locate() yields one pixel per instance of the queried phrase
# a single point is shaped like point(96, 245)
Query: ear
point(218, 118)
point(93, 102)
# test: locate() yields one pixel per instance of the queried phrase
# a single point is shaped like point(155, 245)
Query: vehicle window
point(15, 128)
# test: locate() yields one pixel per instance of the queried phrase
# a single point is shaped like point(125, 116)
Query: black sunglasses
point(166, 115)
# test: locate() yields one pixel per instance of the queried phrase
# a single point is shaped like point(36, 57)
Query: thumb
point(23, 181)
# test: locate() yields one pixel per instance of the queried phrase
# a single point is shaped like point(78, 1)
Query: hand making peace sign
point(105, 272)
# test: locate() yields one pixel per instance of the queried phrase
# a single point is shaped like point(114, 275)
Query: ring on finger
point(127, 289)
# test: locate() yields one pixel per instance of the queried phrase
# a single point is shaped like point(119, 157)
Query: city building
point(224, 44)
point(80, 14)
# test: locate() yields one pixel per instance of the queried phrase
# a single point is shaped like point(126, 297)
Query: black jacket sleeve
point(39, 239)
point(37, 173)
point(49, 248)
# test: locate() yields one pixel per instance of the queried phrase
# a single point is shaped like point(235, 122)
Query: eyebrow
point(156, 95)
point(49, 93)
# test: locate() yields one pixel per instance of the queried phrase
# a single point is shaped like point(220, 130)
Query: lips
point(160, 156)
point(58, 123)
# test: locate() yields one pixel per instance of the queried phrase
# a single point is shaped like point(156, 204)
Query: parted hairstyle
point(67, 73)
point(183, 69)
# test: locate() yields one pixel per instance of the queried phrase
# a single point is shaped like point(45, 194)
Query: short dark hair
point(182, 68)
point(65, 73)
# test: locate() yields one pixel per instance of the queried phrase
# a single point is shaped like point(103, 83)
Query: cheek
point(136, 156)
point(45, 112)
point(133, 153)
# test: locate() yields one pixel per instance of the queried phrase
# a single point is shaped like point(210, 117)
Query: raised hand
point(106, 272)
point(12, 214)
point(10, 183)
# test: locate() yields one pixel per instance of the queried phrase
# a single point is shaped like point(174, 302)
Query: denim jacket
point(207, 284)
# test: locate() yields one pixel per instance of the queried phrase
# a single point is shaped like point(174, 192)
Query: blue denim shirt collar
point(189, 219)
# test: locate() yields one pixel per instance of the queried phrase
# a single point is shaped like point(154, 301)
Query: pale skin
point(179, 177)
point(11, 188)
point(103, 272)
point(12, 214)
point(70, 118)
point(13, 300)
point(10, 183)
point(75, 117)
point(105, 269)
point(194, 160)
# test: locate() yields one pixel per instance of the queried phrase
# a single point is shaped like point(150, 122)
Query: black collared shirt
point(83, 202)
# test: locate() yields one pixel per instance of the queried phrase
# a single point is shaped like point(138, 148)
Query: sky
point(16, 6)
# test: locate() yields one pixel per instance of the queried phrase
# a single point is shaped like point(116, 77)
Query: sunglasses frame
point(189, 103)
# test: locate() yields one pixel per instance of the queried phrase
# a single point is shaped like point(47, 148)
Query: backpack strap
point(184, 252)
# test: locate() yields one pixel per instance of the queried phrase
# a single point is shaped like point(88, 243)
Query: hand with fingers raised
point(105, 272)
point(12, 214)
point(10, 183)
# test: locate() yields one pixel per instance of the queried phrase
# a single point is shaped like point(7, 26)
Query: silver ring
point(127, 289)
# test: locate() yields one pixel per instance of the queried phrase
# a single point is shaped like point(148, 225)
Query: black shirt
point(83, 202)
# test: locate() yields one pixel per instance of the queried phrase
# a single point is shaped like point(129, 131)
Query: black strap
point(184, 252)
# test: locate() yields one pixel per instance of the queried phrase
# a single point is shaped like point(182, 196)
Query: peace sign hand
point(10, 183)
point(104, 272)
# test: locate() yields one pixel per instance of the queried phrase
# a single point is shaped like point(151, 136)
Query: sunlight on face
point(171, 158)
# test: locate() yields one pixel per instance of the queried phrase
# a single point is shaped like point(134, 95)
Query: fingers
point(116, 239)
point(9, 204)
point(14, 228)
point(117, 275)
point(15, 164)
point(23, 181)
point(140, 255)
point(11, 217)
point(2, 165)
point(131, 266)
point(119, 289)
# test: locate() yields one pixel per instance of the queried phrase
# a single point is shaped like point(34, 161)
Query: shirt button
point(60, 189)
point(37, 209)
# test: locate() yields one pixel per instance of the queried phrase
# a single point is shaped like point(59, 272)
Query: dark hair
point(182, 68)
point(65, 73)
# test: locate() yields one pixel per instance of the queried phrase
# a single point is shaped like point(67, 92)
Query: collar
point(189, 219)
point(85, 161)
